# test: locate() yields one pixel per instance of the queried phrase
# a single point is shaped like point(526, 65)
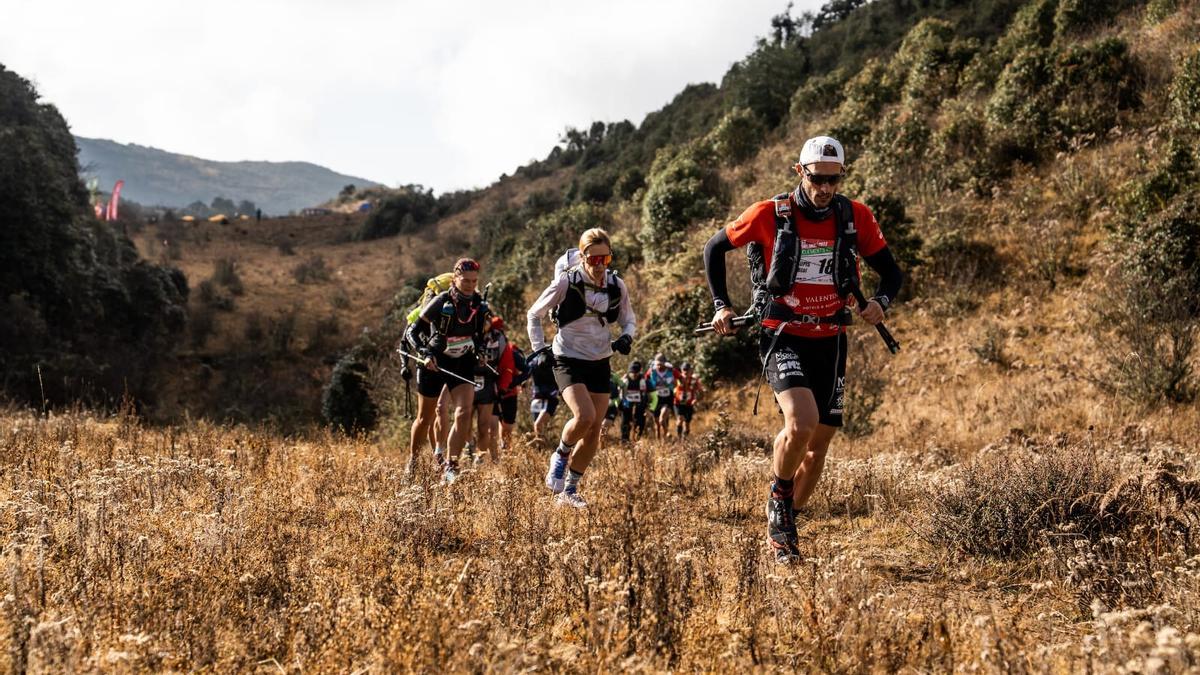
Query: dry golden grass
point(132, 548)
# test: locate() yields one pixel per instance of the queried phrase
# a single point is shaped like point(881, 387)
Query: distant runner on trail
point(661, 380)
point(803, 249)
point(586, 297)
point(449, 334)
point(687, 394)
point(634, 398)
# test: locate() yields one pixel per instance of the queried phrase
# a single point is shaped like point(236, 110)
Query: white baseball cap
point(822, 149)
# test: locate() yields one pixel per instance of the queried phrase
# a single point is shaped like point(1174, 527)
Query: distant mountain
point(157, 177)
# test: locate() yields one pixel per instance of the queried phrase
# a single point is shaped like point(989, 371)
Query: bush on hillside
point(1177, 172)
point(1158, 11)
point(684, 187)
point(1075, 17)
point(1032, 26)
point(737, 136)
point(404, 212)
point(1184, 103)
point(925, 67)
point(867, 93)
point(79, 304)
point(1093, 82)
point(903, 241)
point(346, 403)
point(1019, 111)
point(818, 94)
point(886, 163)
point(1153, 304)
point(765, 80)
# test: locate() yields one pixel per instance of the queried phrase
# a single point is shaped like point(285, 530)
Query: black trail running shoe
point(781, 529)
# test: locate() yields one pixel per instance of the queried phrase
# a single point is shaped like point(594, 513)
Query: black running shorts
point(818, 364)
point(429, 383)
point(595, 375)
point(685, 411)
point(485, 389)
point(508, 409)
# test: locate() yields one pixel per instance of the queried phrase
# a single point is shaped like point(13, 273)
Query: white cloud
point(445, 94)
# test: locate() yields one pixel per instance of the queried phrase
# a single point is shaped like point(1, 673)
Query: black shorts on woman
point(595, 375)
point(818, 364)
point(429, 383)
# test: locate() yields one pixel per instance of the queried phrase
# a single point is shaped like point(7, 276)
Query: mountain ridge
point(154, 176)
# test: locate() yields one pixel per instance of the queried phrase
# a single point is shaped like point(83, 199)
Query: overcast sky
point(446, 94)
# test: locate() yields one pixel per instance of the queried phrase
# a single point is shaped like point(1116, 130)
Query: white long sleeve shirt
point(586, 338)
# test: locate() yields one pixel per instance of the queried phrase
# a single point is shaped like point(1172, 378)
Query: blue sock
point(573, 477)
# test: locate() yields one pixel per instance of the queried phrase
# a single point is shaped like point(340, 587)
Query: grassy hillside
point(1015, 491)
point(158, 177)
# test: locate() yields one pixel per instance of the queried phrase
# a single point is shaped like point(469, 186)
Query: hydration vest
point(776, 282)
point(574, 306)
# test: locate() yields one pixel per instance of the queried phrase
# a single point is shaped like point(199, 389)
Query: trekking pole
point(884, 333)
point(425, 362)
point(736, 322)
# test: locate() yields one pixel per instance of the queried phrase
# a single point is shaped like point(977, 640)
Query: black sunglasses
point(823, 178)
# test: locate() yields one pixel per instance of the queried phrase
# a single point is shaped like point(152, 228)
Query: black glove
point(436, 344)
point(406, 372)
point(542, 358)
point(623, 344)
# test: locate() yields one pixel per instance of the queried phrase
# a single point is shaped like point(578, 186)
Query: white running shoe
point(571, 499)
point(450, 475)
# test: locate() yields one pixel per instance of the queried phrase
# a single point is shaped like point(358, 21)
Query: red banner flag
point(112, 205)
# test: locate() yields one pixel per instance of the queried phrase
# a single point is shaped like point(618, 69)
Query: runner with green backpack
point(448, 335)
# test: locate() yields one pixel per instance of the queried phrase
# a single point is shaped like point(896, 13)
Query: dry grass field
point(131, 548)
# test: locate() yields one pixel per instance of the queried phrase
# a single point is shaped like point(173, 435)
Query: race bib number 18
point(816, 262)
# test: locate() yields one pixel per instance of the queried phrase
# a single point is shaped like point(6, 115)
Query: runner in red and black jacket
point(804, 315)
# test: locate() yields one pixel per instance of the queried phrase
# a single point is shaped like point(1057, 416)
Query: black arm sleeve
point(890, 276)
point(714, 268)
point(417, 333)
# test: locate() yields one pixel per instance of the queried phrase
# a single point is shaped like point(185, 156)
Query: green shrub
point(346, 403)
point(1175, 174)
point(715, 357)
point(903, 241)
point(1093, 82)
point(1077, 16)
point(684, 187)
point(405, 211)
point(737, 136)
point(867, 94)
point(1158, 11)
point(1032, 26)
point(959, 148)
point(1019, 114)
point(1184, 103)
point(764, 81)
point(886, 163)
point(818, 94)
point(1153, 304)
